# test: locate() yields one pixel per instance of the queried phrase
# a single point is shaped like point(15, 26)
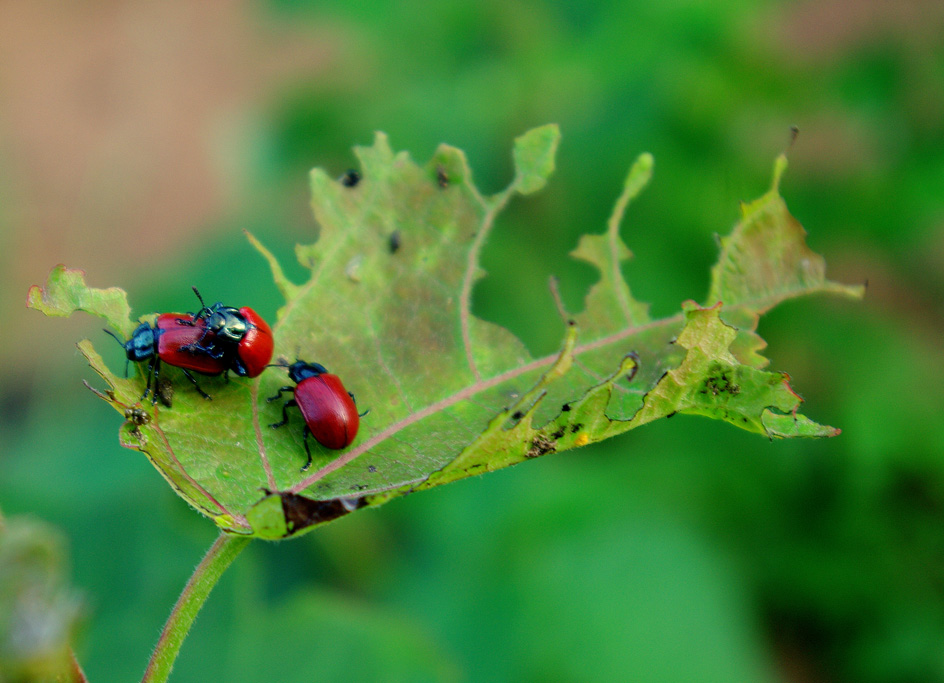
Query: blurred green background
point(138, 139)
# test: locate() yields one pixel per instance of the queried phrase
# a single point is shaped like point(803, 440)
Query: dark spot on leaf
point(672, 414)
point(558, 434)
point(575, 428)
point(358, 487)
point(350, 178)
point(371, 469)
point(517, 415)
point(394, 244)
point(301, 512)
point(719, 382)
point(137, 417)
point(541, 446)
point(442, 179)
point(565, 408)
point(165, 391)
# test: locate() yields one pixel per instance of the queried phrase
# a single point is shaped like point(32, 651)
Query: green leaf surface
point(387, 307)
point(65, 292)
point(765, 260)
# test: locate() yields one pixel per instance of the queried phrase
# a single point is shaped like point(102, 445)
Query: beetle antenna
point(117, 338)
point(197, 292)
point(203, 306)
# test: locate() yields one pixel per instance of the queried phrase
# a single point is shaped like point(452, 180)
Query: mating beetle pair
point(217, 339)
point(212, 341)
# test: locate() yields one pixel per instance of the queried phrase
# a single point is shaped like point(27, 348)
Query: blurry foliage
point(38, 607)
point(682, 541)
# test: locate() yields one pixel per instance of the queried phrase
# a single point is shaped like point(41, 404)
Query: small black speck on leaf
point(350, 178)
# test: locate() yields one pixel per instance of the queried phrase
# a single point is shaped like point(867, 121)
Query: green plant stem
point(220, 555)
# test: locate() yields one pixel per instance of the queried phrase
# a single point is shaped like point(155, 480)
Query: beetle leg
point(197, 347)
point(154, 370)
point(279, 395)
point(307, 450)
point(288, 404)
point(193, 379)
point(355, 404)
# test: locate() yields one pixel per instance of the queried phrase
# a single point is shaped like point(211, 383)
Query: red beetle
point(239, 336)
point(329, 409)
point(172, 339)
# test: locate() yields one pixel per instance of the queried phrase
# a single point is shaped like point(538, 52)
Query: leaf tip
point(34, 296)
point(37, 297)
point(640, 174)
point(780, 166)
point(286, 287)
point(381, 140)
point(534, 156)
